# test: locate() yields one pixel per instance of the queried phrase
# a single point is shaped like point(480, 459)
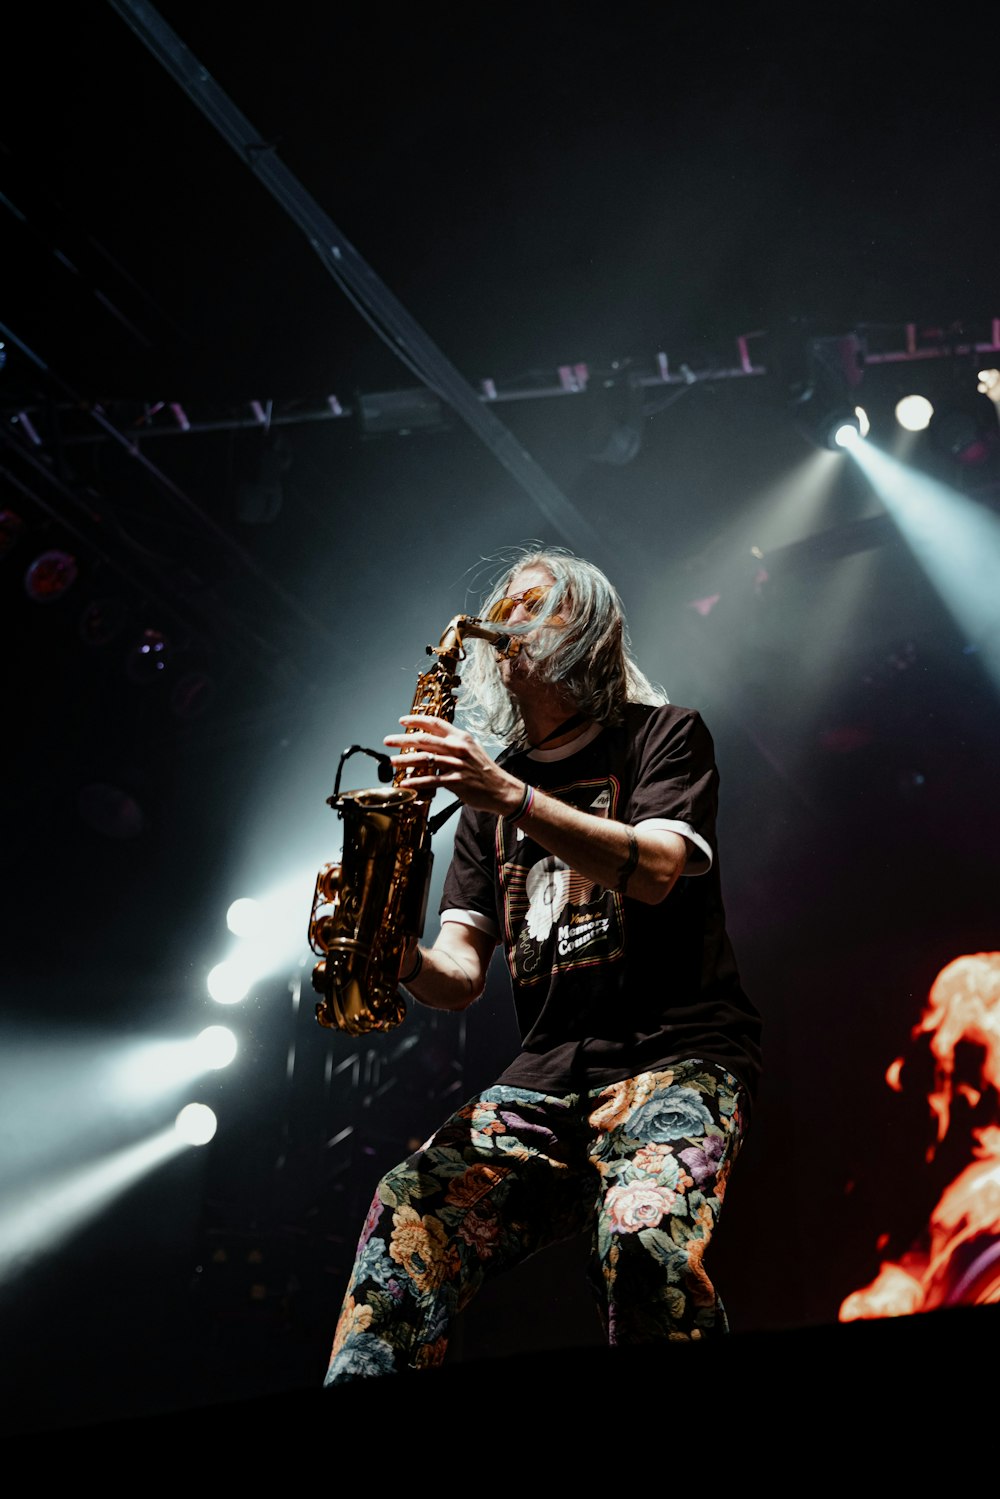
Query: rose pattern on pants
point(641, 1164)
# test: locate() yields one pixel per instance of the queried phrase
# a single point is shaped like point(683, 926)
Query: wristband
point(524, 807)
point(409, 977)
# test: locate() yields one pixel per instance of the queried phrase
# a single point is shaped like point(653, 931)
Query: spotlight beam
point(955, 540)
point(109, 1091)
point(36, 1223)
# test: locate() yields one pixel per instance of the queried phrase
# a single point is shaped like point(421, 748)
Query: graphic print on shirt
point(555, 918)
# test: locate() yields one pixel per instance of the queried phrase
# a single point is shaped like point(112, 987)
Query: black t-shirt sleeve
point(677, 779)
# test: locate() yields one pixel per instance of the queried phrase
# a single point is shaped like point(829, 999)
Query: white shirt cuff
point(472, 918)
point(700, 857)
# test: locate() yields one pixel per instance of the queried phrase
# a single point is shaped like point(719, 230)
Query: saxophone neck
point(467, 626)
point(462, 627)
point(435, 692)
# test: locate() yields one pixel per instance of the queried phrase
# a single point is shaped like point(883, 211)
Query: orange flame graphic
point(957, 1260)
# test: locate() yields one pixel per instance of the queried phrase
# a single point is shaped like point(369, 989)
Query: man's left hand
point(433, 753)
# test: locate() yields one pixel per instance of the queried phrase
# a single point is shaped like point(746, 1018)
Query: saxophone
point(368, 907)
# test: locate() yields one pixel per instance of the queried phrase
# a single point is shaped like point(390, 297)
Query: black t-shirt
point(606, 986)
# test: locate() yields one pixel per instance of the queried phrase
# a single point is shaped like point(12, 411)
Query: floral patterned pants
point(642, 1164)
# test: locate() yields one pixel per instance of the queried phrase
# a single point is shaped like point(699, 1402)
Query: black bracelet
point(524, 806)
point(407, 978)
point(628, 868)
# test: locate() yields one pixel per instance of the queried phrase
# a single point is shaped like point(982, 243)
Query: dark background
point(540, 187)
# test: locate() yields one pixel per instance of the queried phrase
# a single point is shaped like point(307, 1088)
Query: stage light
point(270, 937)
point(824, 396)
point(50, 576)
point(243, 916)
point(229, 982)
point(215, 1047)
point(913, 413)
point(196, 1124)
point(846, 430)
point(837, 427)
point(148, 659)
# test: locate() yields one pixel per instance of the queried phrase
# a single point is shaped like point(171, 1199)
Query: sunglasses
point(532, 599)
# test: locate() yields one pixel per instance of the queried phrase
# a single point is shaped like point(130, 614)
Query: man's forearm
point(444, 979)
point(643, 863)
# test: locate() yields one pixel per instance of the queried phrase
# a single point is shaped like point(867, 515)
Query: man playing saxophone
point(587, 850)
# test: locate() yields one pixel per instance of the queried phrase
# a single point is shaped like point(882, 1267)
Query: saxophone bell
point(366, 907)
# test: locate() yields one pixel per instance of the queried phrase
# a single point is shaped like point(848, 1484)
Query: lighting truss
point(879, 344)
point(170, 418)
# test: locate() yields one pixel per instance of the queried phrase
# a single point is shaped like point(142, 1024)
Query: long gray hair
point(586, 652)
